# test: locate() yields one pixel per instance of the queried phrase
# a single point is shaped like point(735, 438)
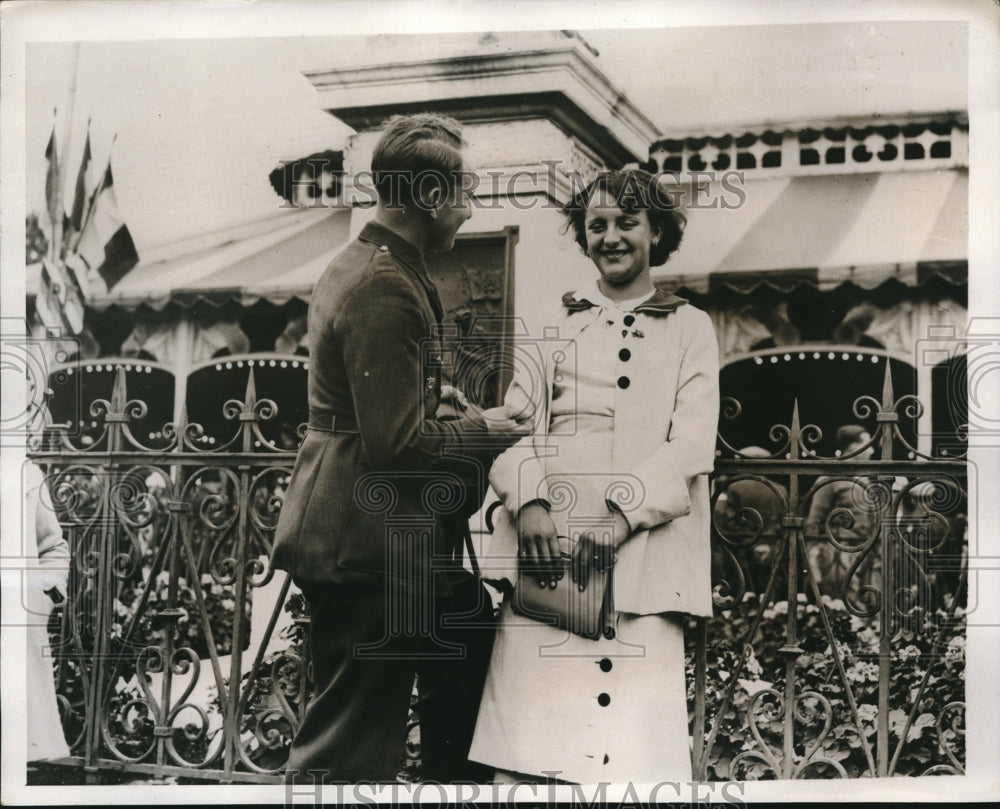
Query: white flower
point(867, 714)
point(956, 650)
point(754, 686)
point(863, 672)
point(844, 651)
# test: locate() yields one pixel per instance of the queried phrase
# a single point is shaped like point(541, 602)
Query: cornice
point(558, 83)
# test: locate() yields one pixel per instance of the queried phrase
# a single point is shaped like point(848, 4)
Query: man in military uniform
point(370, 529)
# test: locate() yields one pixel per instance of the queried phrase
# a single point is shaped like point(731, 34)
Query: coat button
point(623, 382)
point(605, 664)
point(383, 249)
point(603, 700)
point(629, 320)
point(624, 355)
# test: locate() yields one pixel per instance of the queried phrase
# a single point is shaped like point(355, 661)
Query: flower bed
point(927, 667)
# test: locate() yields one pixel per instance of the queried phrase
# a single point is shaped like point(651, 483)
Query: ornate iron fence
point(837, 644)
point(179, 652)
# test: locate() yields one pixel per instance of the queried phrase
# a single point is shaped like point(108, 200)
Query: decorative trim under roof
point(838, 147)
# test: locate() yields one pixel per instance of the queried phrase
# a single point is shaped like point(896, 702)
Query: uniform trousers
point(363, 666)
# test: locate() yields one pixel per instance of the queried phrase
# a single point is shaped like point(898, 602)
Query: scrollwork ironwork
point(170, 548)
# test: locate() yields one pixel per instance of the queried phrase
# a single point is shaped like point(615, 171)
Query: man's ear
point(431, 198)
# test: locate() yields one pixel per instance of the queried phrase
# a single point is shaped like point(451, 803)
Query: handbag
point(589, 613)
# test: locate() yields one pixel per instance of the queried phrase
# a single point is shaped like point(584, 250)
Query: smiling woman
point(626, 225)
point(617, 472)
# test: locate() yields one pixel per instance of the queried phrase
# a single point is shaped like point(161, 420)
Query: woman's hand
point(596, 546)
point(538, 544)
point(500, 422)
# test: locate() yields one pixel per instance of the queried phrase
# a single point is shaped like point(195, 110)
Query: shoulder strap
point(469, 549)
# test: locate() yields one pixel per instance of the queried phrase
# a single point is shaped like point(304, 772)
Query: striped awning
point(824, 230)
point(278, 259)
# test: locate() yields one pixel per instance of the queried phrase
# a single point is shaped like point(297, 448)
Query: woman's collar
point(658, 303)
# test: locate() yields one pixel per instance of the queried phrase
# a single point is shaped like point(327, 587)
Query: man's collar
point(659, 303)
point(380, 235)
point(411, 258)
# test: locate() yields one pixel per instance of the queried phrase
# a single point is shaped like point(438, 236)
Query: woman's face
point(618, 242)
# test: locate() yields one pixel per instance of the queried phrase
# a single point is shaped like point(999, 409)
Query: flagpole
point(51, 152)
point(86, 160)
point(97, 191)
point(67, 132)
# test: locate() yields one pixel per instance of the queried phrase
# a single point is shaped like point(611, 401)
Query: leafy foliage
point(746, 680)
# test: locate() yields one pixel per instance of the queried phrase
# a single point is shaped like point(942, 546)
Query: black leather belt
point(327, 422)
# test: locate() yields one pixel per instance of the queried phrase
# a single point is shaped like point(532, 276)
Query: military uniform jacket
point(379, 484)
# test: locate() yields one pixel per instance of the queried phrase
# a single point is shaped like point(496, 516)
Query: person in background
point(45, 586)
point(734, 520)
point(844, 508)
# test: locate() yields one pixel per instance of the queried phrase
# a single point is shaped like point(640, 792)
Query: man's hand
point(596, 546)
point(453, 396)
point(538, 544)
point(452, 404)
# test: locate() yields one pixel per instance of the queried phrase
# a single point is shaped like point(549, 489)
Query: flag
point(73, 222)
point(105, 244)
point(52, 196)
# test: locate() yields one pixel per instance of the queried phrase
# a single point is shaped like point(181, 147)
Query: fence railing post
point(249, 417)
point(700, 769)
point(886, 418)
point(115, 417)
point(791, 650)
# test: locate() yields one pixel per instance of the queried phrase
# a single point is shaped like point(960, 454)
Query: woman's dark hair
point(414, 153)
point(631, 190)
